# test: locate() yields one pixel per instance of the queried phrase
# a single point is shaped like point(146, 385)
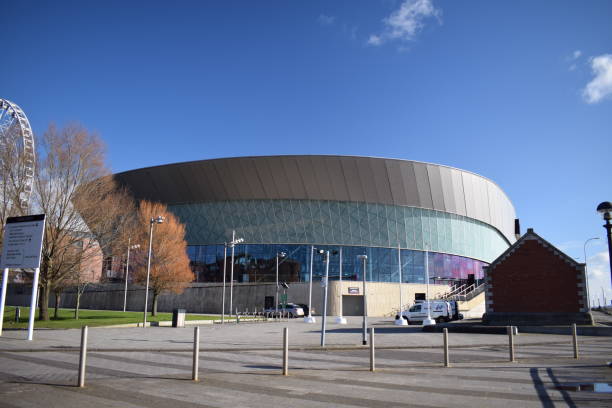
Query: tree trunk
point(78, 304)
point(43, 305)
point(58, 297)
point(154, 305)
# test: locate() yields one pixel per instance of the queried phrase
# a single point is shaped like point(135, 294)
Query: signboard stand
point(21, 249)
point(4, 284)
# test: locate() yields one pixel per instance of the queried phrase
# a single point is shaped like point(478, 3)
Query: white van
point(441, 311)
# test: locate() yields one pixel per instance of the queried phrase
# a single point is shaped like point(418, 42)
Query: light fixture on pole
point(224, 274)
point(158, 220)
point(233, 244)
point(428, 321)
point(364, 258)
point(605, 209)
point(310, 318)
point(127, 270)
point(586, 271)
point(401, 321)
point(278, 255)
point(340, 319)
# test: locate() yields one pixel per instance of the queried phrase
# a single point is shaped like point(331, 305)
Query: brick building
point(534, 283)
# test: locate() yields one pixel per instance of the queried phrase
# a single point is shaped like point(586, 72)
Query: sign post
point(21, 249)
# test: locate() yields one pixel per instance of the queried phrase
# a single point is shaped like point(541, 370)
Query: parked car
point(290, 309)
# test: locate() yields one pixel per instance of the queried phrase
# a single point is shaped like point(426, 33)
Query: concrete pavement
point(241, 366)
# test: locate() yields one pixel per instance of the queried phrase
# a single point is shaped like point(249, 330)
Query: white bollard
point(83, 357)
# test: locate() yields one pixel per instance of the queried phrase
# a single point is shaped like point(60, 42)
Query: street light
point(310, 318)
point(340, 319)
point(159, 220)
point(224, 274)
point(278, 255)
point(586, 273)
point(401, 321)
point(364, 258)
point(605, 209)
point(232, 245)
point(429, 321)
point(127, 269)
point(325, 284)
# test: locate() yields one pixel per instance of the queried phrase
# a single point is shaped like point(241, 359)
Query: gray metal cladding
point(336, 178)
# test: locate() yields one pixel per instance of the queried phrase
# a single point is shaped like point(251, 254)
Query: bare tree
point(84, 208)
point(170, 269)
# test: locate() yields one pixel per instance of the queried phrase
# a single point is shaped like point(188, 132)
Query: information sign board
point(23, 242)
point(353, 291)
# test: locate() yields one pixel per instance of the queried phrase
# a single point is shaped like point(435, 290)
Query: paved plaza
point(240, 366)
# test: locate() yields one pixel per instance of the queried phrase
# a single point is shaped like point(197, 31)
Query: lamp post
point(586, 272)
point(401, 321)
point(310, 318)
point(127, 269)
point(224, 274)
point(429, 321)
point(364, 258)
point(278, 255)
point(233, 245)
point(158, 220)
point(340, 319)
point(605, 209)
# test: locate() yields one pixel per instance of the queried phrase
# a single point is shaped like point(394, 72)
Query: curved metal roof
point(316, 177)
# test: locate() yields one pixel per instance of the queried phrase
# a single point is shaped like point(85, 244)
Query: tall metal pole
point(399, 265)
point(608, 228)
point(144, 321)
point(276, 297)
point(310, 318)
point(365, 301)
point(341, 288)
point(232, 273)
point(427, 321)
point(326, 284)
point(223, 295)
point(127, 268)
point(586, 272)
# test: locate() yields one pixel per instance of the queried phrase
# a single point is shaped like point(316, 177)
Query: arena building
point(450, 220)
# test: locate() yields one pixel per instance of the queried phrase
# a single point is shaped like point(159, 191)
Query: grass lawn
point(87, 317)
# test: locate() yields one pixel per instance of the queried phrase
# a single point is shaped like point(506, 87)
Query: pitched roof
point(530, 235)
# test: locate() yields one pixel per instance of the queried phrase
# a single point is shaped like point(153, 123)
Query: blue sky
point(517, 91)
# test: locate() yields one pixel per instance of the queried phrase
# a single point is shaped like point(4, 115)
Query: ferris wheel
point(16, 155)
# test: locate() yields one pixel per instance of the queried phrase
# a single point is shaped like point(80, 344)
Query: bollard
point(17, 314)
point(510, 330)
point(196, 354)
point(237, 317)
point(285, 351)
point(575, 340)
point(372, 360)
point(446, 359)
point(83, 357)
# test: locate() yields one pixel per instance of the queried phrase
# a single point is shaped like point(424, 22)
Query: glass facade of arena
point(257, 263)
point(457, 246)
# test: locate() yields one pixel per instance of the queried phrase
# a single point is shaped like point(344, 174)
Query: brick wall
point(535, 278)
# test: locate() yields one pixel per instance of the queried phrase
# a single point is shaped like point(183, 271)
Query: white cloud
point(600, 86)
point(573, 58)
point(599, 277)
point(405, 23)
point(325, 20)
point(576, 54)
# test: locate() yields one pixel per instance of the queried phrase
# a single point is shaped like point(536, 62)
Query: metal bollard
point(575, 340)
point(446, 359)
point(196, 354)
point(17, 314)
point(372, 359)
point(285, 351)
point(511, 342)
point(83, 357)
point(237, 317)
